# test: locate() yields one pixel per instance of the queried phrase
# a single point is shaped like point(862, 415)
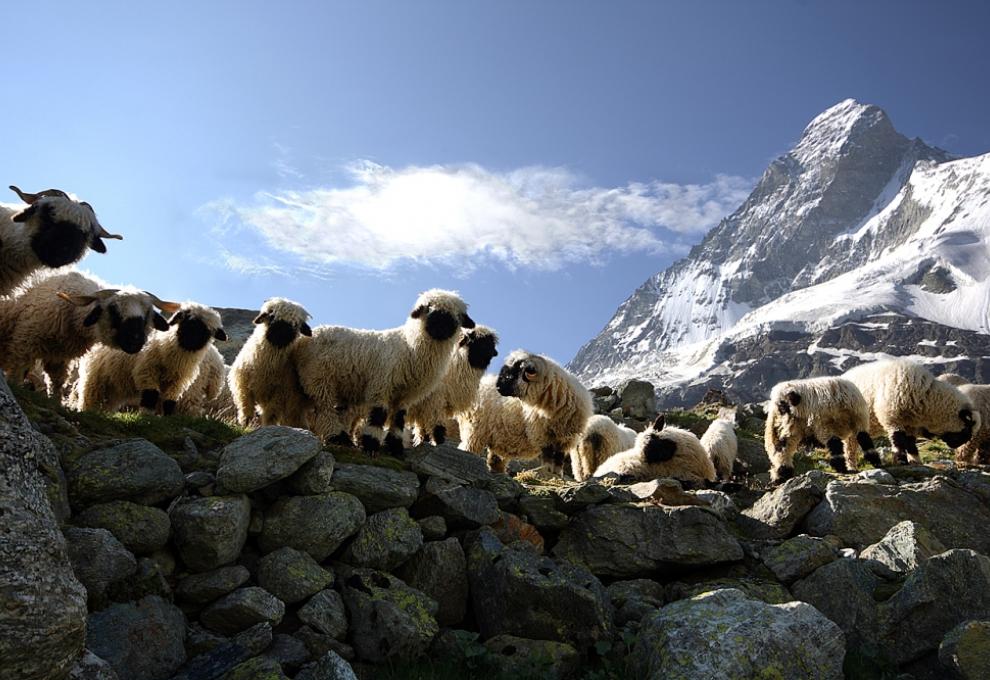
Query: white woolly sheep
point(977, 449)
point(263, 376)
point(351, 374)
point(534, 408)
point(661, 451)
point(602, 439)
point(52, 231)
point(110, 379)
point(56, 318)
point(906, 401)
point(457, 390)
point(826, 411)
point(720, 443)
point(953, 379)
point(211, 377)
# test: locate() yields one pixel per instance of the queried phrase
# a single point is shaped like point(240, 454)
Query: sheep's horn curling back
point(165, 306)
point(103, 233)
point(31, 199)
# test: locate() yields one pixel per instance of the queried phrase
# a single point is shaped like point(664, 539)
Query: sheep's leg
point(373, 432)
point(393, 437)
point(328, 426)
point(836, 457)
point(553, 460)
point(851, 448)
point(967, 454)
point(783, 460)
point(149, 400)
point(869, 449)
point(57, 372)
point(439, 434)
point(905, 448)
point(495, 463)
point(245, 408)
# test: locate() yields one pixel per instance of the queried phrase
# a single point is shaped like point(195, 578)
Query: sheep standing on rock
point(602, 439)
point(156, 377)
point(534, 408)
point(662, 451)
point(52, 232)
point(374, 376)
point(977, 449)
point(906, 401)
point(720, 442)
point(263, 376)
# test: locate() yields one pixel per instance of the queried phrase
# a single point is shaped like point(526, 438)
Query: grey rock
point(541, 512)
point(91, 667)
point(778, 513)
point(797, 557)
point(515, 657)
point(768, 591)
point(386, 540)
point(135, 470)
point(258, 668)
point(439, 569)
point(637, 399)
point(635, 599)
point(574, 498)
point(318, 644)
point(199, 479)
point(330, 667)
point(292, 575)
point(628, 541)
point(140, 640)
point(315, 477)
point(326, 613)
point(290, 653)
point(877, 476)
point(904, 547)
point(377, 488)
point(210, 532)
point(98, 559)
point(506, 490)
point(147, 580)
point(462, 507)
point(142, 529)
point(208, 586)
point(720, 502)
point(434, 527)
point(966, 650)
point(199, 640)
point(242, 609)
point(227, 654)
point(752, 456)
point(316, 524)
point(265, 456)
point(449, 463)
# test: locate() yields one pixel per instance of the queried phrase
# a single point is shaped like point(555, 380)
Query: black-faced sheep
point(720, 442)
point(906, 401)
point(602, 439)
point(661, 451)
point(977, 449)
point(211, 377)
point(263, 376)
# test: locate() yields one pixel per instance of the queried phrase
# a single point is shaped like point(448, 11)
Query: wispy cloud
point(534, 217)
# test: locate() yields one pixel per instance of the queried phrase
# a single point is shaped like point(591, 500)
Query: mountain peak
point(828, 133)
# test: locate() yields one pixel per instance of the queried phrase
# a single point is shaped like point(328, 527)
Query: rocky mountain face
point(856, 244)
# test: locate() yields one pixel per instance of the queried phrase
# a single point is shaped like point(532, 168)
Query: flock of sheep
point(110, 348)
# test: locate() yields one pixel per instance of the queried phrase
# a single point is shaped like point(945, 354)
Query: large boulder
point(317, 524)
point(799, 556)
point(227, 654)
point(210, 531)
point(242, 609)
point(635, 599)
point(141, 528)
point(637, 398)
point(904, 547)
point(966, 650)
point(377, 488)
point(724, 634)
point(516, 657)
point(450, 463)
point(439, 569)
point(778, 513)
point(292, 575)
point(386, 540)
point(314, 477)
point(142, 640)
point(98, 560)
point(210, 585)
point(42, 605)
point(326, 613)
point(265, 456)
point(463, 507)
point(135, 470)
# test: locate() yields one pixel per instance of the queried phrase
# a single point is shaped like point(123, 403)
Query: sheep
point(57, 317)
point(953, 379)
point(906, 401)
point(977, 449)
point(51, 232)
point(110, 379)
point(719, 442)
point(263, 375)
point(353, 375)
point(826, 411)
point(457, 390)
point(211, 377)
point(534, 408)
point(602, 438)
point(661, 451)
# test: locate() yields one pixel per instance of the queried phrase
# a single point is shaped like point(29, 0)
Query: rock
point(386, 540)
point(318, 644)
point(142, 529)
point(42, 605)
point(936, 597)
point(720, 502)
point(542, 512)
point(602, 391)
point(227, 654)
point(290, 653)
point(449, 463)
point(966, 650)
point(799, 556)
point(330, 667)
point(510, 528)
point(515, 657)
point(315, 477)
point(199, 640)
point(778, 513)
point(258, 668)
point(904, 547)
point(605, 403)
point(165, 560)
point(575, 498)
point(389, 620)
point(462, 507)
point(724, 634)
point(877, 476)
point(147, 580)
point(439, 569)
point(434, 527)
point(752, 456)
point(210, 532)
point(506, 490)
point(377, 488)
point(98, 559)
point(518, 592)
point(628, 541)
point(635, 599)
point(637, 399)
point(265, 456)
point(326, 613)
point(91, 667)
point(292, 575)
point(767, 591)
point(140, 640)
point(242, 609)
point(666, 491)
point(316, 524)
point(208, 586)
point(136, 470)
point(200, 479)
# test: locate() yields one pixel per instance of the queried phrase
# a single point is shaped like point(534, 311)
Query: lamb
point(353, 375)
point(57, 317)
point(826, 411)
point(211, 377)
point(263, 376)
point(661, 451)
point(52, 231)
point(534, 408)
point(977, 449)
point(906, 401)
point(457, 390)
point(110, 379)
point(719, 442)
point(602, 439)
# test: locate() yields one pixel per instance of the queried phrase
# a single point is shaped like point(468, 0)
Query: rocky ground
point(206, 553)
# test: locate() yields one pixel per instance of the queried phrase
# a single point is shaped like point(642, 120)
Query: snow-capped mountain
point(859, 242)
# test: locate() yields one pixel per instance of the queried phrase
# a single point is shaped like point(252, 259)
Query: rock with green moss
point(439, 569)
point(541, 511)
point(242, 609)
point(318, 643)
point(265, 456)
point(98, 559)
point(433, 527)
point(141, 528)
point(210, 532)
point(635, 599)
point(330, 666)
point(292, 575)
point(142, 640)
point(386, 540)
point(377, 488)
point(463, 507)
point(966, 650)
point(450, 463)
point(724, 634)
point(506, 489)
point(147, 580)
point(314, 477)
point(258, 668)
point(135, 470)
point(326, 613)
point(210, 585)
point(799, 556)
point(764, 590)
point(515, 657)
point(778, 513)
point(904, 547)
point(227, 654)
point(574, 498)
point(315, 524)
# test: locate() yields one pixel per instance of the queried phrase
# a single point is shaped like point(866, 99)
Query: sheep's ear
point(306, 330)
point(261, 318)
point(93, 316)
point(220, 334)
point(78, 300)
point(793, 397)
point(660, 422)
point(97, 244)
point(467, 321)
point(159, 322)
point(176, 318)
point(419, 311)
point(660, 450)
point(25, 215)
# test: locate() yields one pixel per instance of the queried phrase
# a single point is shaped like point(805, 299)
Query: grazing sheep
point(827, 411)
point(56, 318)
point(661, 451)
point(353, 375)
point(110, 379)
point(205, 389)
point(52, 231)
point(906, 401)
point(977, 449)
point(534, 408)
point(719, 441)
point(458, 388)
point(263, 376)
point(601, 440)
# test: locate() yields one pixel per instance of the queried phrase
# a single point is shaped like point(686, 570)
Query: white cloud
point(534, 217)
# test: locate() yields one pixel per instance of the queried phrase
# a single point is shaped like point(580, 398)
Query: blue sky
point(543, 158)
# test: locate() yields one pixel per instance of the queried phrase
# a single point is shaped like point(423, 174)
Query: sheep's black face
point(193, 334)
point(956, 439)
point(441, 325)
point(280, 333)
point(57, 243)
point(659, 449)
point(506, 383)
point(481, 351)
point(131, 334)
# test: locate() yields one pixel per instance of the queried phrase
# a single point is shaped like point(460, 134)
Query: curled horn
point(83, 300)
point(167, 307)
point(31, 199)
